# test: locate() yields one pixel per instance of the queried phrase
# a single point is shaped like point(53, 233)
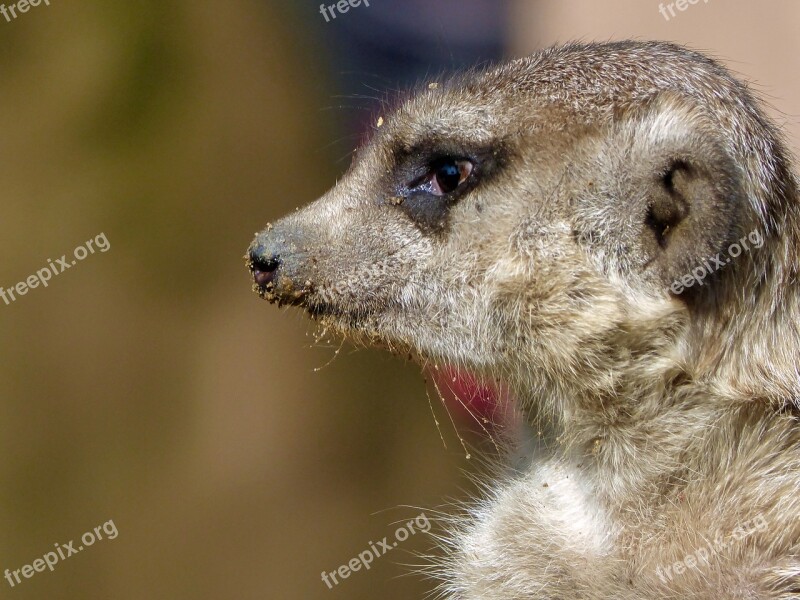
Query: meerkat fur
point(591, 183)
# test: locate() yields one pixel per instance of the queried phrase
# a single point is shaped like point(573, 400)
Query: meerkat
point(543, 225)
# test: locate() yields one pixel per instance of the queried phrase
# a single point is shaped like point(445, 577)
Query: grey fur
point(605, 172)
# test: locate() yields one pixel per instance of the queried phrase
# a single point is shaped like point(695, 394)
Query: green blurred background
point(148, 385)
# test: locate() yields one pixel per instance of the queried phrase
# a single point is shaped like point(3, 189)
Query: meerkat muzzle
point(274, 261)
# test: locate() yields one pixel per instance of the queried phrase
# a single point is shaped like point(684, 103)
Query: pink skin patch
point(483, 406)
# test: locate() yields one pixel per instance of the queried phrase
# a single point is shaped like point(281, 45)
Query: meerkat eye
point(447, 174)
point(429, 181)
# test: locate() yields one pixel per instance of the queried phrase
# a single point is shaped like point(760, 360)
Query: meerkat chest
point(570, 507)
point(547, 521)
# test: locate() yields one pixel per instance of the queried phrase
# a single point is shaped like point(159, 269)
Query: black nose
point(264, 265)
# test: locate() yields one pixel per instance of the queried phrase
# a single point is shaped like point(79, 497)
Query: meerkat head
point(545, 222)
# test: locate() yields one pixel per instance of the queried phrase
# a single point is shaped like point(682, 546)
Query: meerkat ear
point(689, 191)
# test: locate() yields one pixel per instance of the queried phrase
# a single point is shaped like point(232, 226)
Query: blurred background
point(147, 385)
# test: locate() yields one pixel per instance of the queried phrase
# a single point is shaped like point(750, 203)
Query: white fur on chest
point(545, 523)
point(570, 507)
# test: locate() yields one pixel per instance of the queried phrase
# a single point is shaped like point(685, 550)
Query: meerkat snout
point(279, 263)
point(609, 233)
point(264, 265)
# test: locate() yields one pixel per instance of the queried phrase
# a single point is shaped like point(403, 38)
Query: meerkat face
point(526, 219)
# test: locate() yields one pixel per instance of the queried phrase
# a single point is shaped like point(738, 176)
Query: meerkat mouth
point(488, 405)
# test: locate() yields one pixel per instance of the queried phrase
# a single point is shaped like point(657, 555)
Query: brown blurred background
point(148, 385)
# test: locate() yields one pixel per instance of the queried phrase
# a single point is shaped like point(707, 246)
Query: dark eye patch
point(430, 178)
